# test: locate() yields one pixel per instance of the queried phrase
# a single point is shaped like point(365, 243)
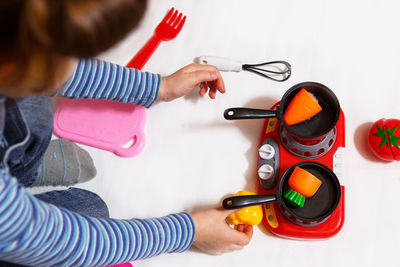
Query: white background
point(193, 157)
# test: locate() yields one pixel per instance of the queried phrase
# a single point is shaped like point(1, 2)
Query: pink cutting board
point(110, 125)
point(122, 265)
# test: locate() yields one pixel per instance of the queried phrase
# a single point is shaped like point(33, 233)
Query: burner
point(307, 150)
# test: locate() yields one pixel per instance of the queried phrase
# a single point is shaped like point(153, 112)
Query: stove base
point(273, 220)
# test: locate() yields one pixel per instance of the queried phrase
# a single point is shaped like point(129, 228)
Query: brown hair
point(37, 37)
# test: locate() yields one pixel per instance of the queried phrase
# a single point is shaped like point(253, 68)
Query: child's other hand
point(178, 84)
point(215, 236)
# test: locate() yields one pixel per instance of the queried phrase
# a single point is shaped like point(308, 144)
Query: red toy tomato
point(384, 139)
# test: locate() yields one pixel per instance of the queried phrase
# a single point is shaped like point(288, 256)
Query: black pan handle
point(245, 201)
point(248, 113)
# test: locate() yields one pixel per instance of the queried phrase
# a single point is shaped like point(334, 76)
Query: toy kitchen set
point(315, 144)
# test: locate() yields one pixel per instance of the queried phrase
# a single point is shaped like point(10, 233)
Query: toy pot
point(316, 209)
point(309, 131)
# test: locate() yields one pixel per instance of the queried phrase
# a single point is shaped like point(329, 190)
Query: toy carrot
point(294, 198)
point(302, 184)
point(302, 107)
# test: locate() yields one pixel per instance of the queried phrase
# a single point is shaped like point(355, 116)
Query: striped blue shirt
point(36, 233)
point(96, 79)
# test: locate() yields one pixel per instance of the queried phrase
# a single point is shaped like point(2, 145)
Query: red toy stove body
point(332, 157)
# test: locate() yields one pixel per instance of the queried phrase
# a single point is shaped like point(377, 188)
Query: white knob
point(266, 151)
point(266, 172)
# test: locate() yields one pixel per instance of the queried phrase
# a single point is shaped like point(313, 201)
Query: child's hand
point(215, 236)
point(183, 81)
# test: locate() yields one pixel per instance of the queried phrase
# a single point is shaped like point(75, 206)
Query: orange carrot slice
point(302, 107)
point(304, 182)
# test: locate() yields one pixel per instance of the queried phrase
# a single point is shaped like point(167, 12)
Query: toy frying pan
point(316, 209)
point(317, 126)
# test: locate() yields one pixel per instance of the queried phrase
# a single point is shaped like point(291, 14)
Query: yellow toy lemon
point(249, 215)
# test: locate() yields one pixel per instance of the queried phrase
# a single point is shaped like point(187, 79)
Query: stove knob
point(266, 172)
point(266, 151)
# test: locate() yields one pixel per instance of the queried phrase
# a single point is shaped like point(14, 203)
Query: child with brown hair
point(48, 44)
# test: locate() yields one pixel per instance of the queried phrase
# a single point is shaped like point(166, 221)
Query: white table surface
point(193, 157)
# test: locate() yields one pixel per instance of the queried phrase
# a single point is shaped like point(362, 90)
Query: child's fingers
point(208, 86)
point(248, 231)
point(242, 235)
point(200, 76)
point(242, 238)
point(240, 227)
point(203, 89)
point(220, 85)
point(213, 89)
point(219, 82)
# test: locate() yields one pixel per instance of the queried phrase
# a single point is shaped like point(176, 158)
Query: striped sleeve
point(96, 79)
point(35, 233)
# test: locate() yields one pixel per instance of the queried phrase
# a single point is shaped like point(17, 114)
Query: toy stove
point(279, 150)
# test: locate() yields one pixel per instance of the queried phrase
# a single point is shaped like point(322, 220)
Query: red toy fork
point(168, 29)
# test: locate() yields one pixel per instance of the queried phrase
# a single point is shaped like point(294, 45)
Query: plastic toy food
point(384, 139)
point(249, 215)
point(294, 198)
point(302, 184)
point(302, 107)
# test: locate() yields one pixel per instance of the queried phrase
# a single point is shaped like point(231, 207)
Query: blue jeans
point(30, 120)
point(37, 114)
